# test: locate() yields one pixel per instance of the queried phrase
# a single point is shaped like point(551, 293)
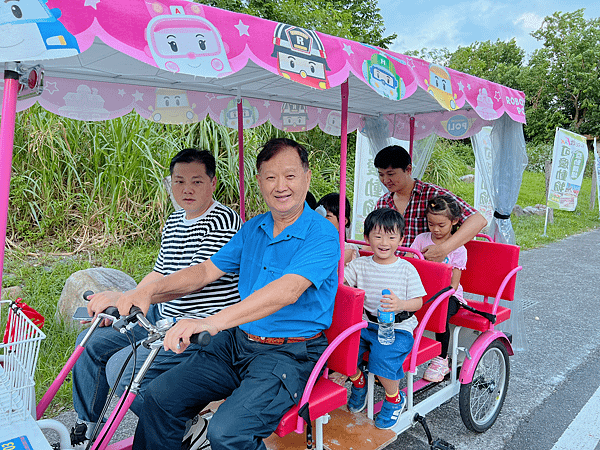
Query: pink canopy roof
point(174, 61)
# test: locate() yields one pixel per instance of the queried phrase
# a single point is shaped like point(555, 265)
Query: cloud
point(529, 22)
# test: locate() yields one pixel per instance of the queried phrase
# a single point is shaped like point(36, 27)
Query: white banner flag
point(568, 163)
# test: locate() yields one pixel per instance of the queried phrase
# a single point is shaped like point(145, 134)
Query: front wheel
point(480, 401)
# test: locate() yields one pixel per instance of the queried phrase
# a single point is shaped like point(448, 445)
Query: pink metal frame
point(240, 118)
point(321, 363)
point(414, 251)
point(7, 137)
point(57, 383)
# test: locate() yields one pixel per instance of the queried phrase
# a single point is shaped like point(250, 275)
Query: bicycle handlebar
point(202, 339)
point(136, 315)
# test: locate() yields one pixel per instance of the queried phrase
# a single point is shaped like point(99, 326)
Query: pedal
point(440, 444)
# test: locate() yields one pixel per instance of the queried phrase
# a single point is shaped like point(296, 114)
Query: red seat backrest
point(347, 311)
point(435, 277)
point(488, 263)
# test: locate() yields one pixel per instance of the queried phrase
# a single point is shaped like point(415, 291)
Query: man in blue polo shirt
point(263, 348)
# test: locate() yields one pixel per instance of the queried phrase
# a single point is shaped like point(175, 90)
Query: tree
point(439, 56)
point(563, 77)
point(359, 20)
point(500, 62)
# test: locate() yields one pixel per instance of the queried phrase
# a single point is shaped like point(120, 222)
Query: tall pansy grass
point(73, 178)
point(84, 182)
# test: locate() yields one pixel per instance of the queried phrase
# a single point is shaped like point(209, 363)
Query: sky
point(453, 23)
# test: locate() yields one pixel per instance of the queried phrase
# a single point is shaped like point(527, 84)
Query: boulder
point(518, 211)
point(469, 178)
point(11, 293)
point(95, 280)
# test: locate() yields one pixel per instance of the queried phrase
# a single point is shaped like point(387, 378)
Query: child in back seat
point(331, 205)
point(384, 232)
point(443, 214)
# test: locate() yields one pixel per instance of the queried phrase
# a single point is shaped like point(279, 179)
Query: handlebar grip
point(112, 311)
point(86, 294)
point(135, 310)
point(202, 339)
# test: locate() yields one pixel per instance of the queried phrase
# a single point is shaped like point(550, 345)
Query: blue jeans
point(261, 382)
point(99, 365)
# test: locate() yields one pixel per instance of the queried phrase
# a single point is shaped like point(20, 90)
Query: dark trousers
point(444, 338)
point(261, 382)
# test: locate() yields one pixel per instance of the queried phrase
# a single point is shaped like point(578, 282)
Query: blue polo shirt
point(309, 247)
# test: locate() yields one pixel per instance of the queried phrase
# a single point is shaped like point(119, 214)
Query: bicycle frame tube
point(113, 422)
point(57, 383)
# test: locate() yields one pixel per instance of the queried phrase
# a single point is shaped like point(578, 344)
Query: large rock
point(11, 293)
point(96, 280)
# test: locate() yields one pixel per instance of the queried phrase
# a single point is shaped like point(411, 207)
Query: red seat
point(491, 272)
point(435, 277)
point(341, 356)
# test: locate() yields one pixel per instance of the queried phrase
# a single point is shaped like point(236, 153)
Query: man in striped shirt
point(410, 197)
point(190, 236)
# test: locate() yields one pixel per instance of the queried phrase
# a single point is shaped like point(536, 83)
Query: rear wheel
point(481, 400)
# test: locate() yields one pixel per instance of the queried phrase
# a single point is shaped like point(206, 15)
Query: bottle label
point(385, 317)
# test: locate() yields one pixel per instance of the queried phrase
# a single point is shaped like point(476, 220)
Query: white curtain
point(509, 159)
point(377, 131)
point(422, 151)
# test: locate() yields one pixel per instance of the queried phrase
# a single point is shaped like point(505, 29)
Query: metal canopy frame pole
point(240, 119)
point(7, 138)
point(343, 164)
point(412, 136)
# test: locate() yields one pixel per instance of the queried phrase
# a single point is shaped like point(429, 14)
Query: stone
point(95, 280)
point(469, 178)
point(518, 211)
point(11, 293)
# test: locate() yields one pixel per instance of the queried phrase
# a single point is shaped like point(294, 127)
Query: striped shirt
point(399, 277)
point(186, 243)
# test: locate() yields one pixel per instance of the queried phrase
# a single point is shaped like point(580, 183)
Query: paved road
point(559, 286)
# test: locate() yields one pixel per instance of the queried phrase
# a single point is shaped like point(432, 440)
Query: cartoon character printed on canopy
point(182, 41)
point(333, 124)
point(294, 117)
point(485, 105)
point(440, 87)
point(85, 104)
point(381, 75)
point(173, 106)
point(229, 116)
point(300, 56)
point(30, 29)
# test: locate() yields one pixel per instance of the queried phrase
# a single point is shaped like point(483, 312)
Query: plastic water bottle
point(386, 320)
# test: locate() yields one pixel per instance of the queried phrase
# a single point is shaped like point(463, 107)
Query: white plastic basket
point(19, 352)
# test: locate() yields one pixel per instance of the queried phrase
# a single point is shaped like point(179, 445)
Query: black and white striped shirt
point(185, 243)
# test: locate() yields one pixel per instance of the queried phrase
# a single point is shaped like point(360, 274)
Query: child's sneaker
point(358, 399)
point(437, 370)
point(390, 413)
